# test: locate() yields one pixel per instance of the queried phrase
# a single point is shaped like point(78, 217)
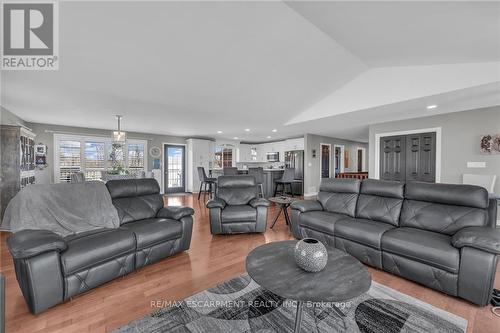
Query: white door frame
point(321, 159)
point(342, 156)
point(436, 130)
point(363, 158)
point(162, 185)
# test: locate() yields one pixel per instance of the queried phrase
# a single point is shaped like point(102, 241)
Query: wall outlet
point(476, 164)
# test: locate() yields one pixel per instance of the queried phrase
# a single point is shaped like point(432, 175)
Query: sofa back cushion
point(135, 199)
point(444, 208)
point(380, 200)
point(339, 195)
point(236, 190)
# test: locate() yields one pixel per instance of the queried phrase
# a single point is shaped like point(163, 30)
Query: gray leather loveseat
point(440, 235)
point(50, 269)
point(237, 208)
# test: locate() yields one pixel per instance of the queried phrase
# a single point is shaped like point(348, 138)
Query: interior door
point(421, 157)
point(174, 169)
point(393, 158)
point(408, 158)
point(325, 161)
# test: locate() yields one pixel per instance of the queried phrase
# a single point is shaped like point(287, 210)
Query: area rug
point(241, 305)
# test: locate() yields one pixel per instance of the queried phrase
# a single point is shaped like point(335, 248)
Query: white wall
point(460, 135)
point(200, 152)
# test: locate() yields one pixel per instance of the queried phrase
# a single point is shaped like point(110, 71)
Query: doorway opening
point(361, 159)
point(339, 159)
point(325, 165)
point(174, 168)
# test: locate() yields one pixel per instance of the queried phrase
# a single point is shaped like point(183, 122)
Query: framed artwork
point(490, 144)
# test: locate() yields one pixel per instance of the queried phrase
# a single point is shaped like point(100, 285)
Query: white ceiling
point(192, 68)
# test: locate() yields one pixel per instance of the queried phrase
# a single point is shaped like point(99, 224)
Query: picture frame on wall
point(490, 144)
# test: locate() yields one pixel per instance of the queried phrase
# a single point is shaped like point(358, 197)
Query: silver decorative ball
point(310, 255)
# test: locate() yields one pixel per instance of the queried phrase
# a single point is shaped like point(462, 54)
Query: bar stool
point(230, 171)
point(204, 180)
point(258, 173)
point(287, 179)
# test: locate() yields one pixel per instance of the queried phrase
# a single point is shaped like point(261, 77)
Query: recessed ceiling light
point(236, 138)
point(275, 130)
point(219, 132)
point(430, 107)
point(247, 129)
point(268, 136)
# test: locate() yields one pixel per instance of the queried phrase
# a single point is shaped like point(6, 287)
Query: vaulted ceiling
point(195, 68)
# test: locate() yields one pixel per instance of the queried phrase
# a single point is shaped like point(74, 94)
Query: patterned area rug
point(241, 305)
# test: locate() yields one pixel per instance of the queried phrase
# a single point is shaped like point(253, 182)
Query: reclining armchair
point(237, 207)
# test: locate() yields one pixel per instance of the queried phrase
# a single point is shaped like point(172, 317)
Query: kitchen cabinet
point(243, 154)
point(247, 153)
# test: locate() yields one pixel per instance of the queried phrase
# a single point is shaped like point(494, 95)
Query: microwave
point(273, 157)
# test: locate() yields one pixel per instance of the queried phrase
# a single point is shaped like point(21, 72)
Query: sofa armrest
point(306, 205)
point(216, 203)
point(29, 243)
point(259, 202)
point(482, 238)
point(175, 212)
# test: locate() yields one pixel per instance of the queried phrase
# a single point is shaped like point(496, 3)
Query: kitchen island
point(270, 175)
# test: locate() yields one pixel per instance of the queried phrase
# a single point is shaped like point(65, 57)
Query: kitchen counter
point(270, 175)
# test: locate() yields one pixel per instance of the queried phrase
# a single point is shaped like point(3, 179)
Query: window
point(69, 159)
point(135, 157)
point(93, 156)
point(94, 160)
point(223, 157)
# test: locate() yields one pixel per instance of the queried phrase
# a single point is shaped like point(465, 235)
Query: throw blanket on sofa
point(66, 208)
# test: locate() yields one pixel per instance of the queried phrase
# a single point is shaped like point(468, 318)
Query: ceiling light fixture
point(219, 132)
point(430, 107)
point(247, 129)
point(268, 136)
point(119, 136)
point(275, 130)
point(236, 138)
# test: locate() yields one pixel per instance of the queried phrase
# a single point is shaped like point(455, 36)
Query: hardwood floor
point(211, 259)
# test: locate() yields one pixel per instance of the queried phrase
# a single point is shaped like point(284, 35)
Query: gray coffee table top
point(273, 267)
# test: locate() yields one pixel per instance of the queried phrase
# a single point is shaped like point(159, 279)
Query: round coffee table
point(273, 267)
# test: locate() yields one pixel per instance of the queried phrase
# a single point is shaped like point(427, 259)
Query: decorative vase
point(310, 255)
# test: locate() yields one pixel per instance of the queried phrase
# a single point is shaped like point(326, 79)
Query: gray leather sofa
point(440, 235)
point(50, 269)
point(237, 207)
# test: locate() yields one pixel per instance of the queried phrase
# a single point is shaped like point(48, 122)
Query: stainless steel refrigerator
point(295, 159)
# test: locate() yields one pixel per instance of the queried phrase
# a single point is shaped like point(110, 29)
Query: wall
point(312, 165)
point(460, 141)
point(8, 118)
point(47, 138)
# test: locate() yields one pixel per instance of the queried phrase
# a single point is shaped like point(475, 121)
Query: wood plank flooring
point(211, 259)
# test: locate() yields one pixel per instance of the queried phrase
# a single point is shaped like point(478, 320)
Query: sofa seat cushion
point(153, 231)
point(424, 246)
point(89, 249)
point(321, 221)
point(238, 213)
point(366, 232)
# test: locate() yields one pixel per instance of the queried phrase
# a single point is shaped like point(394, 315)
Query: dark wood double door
point(408, 157)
